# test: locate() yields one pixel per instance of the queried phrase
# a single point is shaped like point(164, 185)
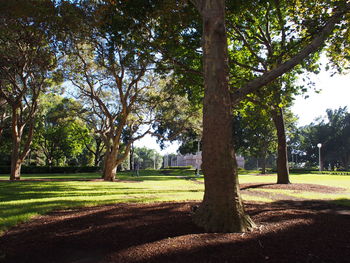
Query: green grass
point(341, 198)
point(20, 201)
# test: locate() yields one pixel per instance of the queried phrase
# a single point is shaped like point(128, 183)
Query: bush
point(242, 171)
point(331, 172)
point(52, 169)
point(180, 167)
point(301, 171)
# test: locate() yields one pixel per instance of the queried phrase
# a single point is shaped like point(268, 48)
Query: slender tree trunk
point(110, 167)
point(263, 163)
point(282, 156)
point(98, 153)
point(97, 157)
point(131, 158)
point(96, 160)
point(221, 209)
point(322, 161)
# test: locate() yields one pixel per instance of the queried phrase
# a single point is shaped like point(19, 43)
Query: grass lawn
point(20, 201)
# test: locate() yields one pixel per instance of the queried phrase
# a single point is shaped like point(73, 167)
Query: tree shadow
point(302, 231)
point(253, 186)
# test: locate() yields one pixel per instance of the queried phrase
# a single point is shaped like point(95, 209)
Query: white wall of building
point(195, 160)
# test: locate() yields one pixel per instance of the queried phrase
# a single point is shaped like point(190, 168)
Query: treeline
point(256, 139)
point(156, 66)
point(333, 133)
point(102, 59)
point(64, 139)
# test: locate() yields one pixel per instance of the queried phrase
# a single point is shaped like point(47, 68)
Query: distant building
point(194, 160)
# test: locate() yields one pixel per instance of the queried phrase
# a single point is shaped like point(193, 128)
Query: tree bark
point(16, 132)
point(282, 155)
point(221, 209)
point(16, 162)
point(263, 163)
point(98, 153)
point(110, 167)
point(131, 158)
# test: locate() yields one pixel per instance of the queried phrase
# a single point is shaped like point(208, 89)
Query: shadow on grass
point(77, 176)
point(302, 231)
point(253, 186)
point(144, 175)
point(19, 201)
point(30, 192)
point(17, 191)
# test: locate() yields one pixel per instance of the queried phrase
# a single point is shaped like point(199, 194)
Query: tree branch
point(279, 70)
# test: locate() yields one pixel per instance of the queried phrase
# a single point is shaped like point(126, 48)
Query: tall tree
point(257, 136)
point(147, 158)
point(111, 66)
point(26, 61)
point(277, 31)
point(96, 145)
point(333, 133)
point(61, 134)
point(222, 209)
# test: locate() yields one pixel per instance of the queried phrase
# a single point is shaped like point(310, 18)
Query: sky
point(335, 93)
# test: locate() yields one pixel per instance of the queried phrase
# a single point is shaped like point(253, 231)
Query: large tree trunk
point(16, 132)
point(282, 156)
point(109, 167)
point(16, 162)
point(18, 155)
point(222, 209)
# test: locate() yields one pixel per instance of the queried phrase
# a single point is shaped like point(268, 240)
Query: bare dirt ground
point(288, 231)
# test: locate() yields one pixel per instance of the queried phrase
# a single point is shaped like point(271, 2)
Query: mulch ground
point(288, 231)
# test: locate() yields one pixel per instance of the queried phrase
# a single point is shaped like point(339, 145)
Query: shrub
point(180, 167)
point(51, 169)
point(331, 172)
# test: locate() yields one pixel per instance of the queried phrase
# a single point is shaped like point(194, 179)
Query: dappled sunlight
point(162, 232)
point(23, 200)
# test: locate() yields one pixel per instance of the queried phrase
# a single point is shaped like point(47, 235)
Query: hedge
point(301, 171)
point(51, 169)
point(332, 172)
point(180, 167)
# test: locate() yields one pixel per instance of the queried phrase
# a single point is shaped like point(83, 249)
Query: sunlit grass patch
point(20, 201)
point(254, 198)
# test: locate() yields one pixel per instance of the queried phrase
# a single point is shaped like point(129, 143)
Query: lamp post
point(319, 145)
